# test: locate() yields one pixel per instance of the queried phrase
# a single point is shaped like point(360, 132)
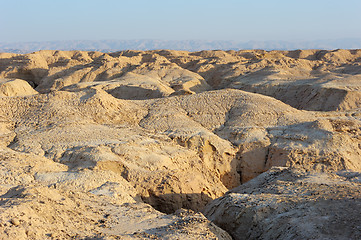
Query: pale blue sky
point(243, 20)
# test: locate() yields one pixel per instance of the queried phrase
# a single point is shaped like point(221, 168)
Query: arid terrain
point(180, 145)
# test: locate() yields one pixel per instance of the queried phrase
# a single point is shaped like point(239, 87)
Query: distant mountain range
point(188, 45)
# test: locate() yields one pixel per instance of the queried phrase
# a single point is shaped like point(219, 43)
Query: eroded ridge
point(133, 136)
point(305, 79)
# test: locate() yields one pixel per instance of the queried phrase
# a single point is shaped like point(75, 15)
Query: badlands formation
point(180, 145)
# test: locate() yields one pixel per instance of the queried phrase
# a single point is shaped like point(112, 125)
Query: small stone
point(15, 221)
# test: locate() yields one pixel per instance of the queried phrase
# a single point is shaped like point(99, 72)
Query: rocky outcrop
point(291, 204)
point(41, 199)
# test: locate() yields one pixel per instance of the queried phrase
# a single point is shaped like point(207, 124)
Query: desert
point(166, 144)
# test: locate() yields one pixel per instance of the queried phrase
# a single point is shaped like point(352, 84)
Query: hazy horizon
point(187, 45)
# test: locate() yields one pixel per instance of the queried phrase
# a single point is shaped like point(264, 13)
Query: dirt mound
point(15, 87)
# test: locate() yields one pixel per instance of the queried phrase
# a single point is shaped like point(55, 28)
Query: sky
point(242, 20)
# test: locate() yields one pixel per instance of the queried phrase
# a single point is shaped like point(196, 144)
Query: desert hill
point(304, 79)
point(118, 145)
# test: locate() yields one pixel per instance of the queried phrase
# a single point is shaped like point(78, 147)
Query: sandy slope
point(95, 145)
